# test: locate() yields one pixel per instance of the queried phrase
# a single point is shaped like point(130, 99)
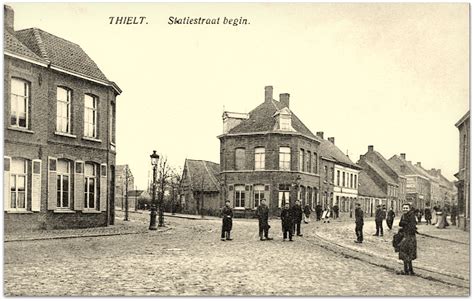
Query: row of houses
point(269, 153)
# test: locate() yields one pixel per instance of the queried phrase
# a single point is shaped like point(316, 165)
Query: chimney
point(285, 99)
point(320, 134)
point(418, 164)
point(331, 139)
point(403, 155)
point(268, 93)
point(371, 148)
point(8, 17)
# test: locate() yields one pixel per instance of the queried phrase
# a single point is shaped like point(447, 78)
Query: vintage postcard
point(236, 149)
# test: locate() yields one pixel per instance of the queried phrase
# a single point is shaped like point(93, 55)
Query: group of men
point(380, 215)
point(291, 219)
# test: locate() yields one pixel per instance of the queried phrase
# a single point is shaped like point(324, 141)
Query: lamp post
point(154, 162)
point(297, 184)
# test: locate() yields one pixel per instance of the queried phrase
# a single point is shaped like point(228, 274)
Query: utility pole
point(126, 193)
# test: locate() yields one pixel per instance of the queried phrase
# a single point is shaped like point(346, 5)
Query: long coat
point(262, 214)
point(297, 213)
point(379, 215)
point(227, 215)
point(390, 215)
point(408, 243)
point(286, 219)
point(359, 217)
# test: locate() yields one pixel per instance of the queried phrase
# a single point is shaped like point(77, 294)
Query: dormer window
point(283, 120)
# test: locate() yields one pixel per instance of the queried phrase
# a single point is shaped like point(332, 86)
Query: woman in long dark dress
point(407, 246)
point(227, 216)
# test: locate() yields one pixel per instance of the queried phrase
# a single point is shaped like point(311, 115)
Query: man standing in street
point(227, 215)
point(390, 218)
point(428, 214)
point(287, 222)
point(297, 213)
point(335, 209)
point(263, 226)
point(379, 216)
point(319, 212)
point(454, 214)
point(359, 221)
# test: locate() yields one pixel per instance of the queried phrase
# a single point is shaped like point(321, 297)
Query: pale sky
point(392, 75)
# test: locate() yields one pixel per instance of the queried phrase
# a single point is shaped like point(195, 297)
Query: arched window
point(19, 103)
point(260, 158)
point(90, 116)
point(63, 110)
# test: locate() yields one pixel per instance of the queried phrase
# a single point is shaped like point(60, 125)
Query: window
point(285, 158)
point(18, 183)
point(20, 101)
point(326, 172)
point(240, 196)
point(260, 158)
point(308, 161)
point(343, 179)
point(259, 194)
point(351, 184)
point(90, 116)
point(240, 158)
point(63, 110)
point(63, 184)
point(301, 161)
point(285, 122)
point(331, 175)
point(90, 186)
point(315, 163)
point(112, 122)
point(355, 182)
point(338, 178)
point(283, 194)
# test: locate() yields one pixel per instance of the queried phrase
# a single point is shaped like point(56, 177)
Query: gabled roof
point(60, 52)
point(261, 120)
point(381, 173)
point(330, 151)
point(387, 163)
point(463, 119)
point(425, 173)
point(367, 186)
point(12, 44)
point(203, 174)
point(396, 161)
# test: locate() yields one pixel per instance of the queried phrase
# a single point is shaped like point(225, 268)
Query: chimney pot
point(418, 164)
point(320, 134)
point(371, 148)
point(285, 99)
point(331, 139)
point(268, 93)
point(403, 155)
point(8, 17)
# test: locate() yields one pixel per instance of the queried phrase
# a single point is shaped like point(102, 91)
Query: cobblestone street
point(189, 259)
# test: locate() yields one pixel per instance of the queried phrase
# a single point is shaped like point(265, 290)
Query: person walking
point(319, 212)
point(359, 221)
point(227, 214)
point(428, 214)
point(454, 214)
point(326, 214)
point(407, 246)
point(335, 210)
point(307, 213)
point(287, 222)
point(390, 218)
point(379, 216)
point(297, 214)
point(263, 226)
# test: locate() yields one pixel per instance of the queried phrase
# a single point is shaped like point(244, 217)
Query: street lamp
point(296, 183)
point(154, 162)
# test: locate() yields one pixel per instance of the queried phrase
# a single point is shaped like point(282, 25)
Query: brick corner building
point(464, 173)
point(59, 132)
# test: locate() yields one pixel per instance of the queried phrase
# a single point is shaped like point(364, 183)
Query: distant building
point(339, 176)
point(418, 189)
point(464, 173)
point(391, 182)
point(200, 187)
point(59, 133)
point(370, 194)
point(122, 173)
point(139, 200)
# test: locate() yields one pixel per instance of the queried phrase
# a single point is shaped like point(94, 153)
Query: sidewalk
point(442, 251)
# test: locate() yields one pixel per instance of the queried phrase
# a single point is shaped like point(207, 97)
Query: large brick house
point(59, 131)
point(464, 174)
point(268, 153)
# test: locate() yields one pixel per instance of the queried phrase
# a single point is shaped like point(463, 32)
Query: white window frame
point(15, 175)
point(301, 161)
point(259, 158)
point(285, 158)
point(87, 178)
point(258, 194)
point(283, 194)
point(239, 191)
point(59, 189)
point(59, 118)
point(15, 99)
point(90, 126)
point(285, 122)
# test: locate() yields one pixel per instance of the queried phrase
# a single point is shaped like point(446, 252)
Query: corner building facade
point(59, 134)
point(268, 154)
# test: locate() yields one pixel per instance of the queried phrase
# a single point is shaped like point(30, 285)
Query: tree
point(164, 174)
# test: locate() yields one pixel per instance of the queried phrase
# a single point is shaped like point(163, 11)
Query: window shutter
point(78, 185)
point(52, 183)
point(103, 187)
point(36, 186)
point(6, 182)
point(266, 194)
point(230, 195)
point(249, 202)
